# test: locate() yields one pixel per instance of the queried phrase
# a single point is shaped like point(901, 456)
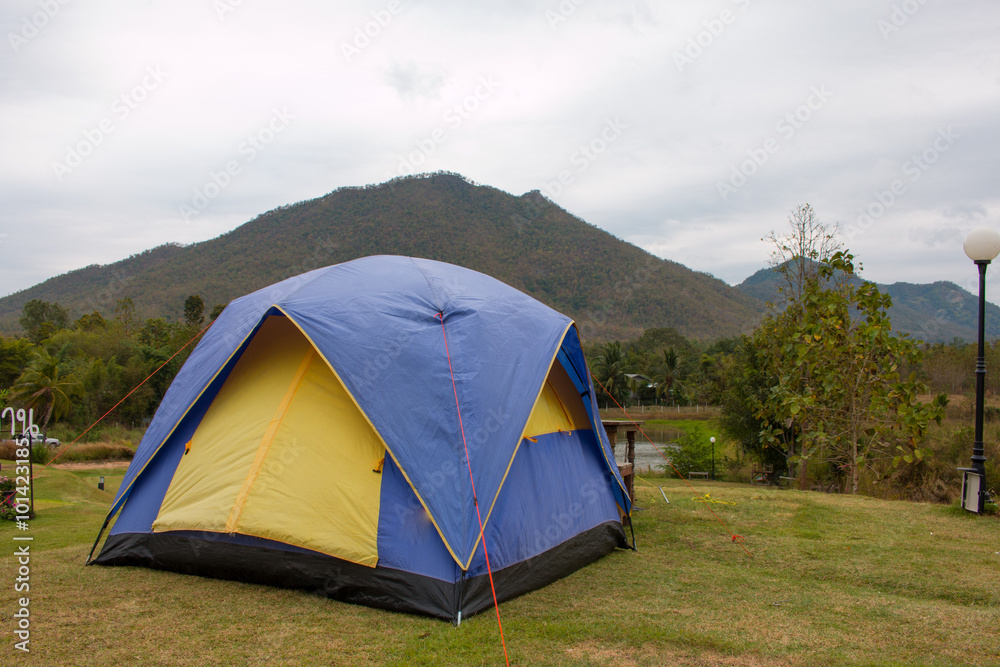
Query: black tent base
point(379, 587)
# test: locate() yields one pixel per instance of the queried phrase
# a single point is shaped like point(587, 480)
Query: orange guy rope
point(67, 447)
point(475, 497)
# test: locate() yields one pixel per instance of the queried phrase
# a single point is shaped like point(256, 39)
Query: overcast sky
point(690, 129)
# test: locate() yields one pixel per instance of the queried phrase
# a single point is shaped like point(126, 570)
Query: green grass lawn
point(834, 580)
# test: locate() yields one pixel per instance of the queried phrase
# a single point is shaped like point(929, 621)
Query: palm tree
point(610, 371)
point(667, 372)
point(42, 389)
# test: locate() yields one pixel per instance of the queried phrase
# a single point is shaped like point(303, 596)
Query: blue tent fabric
point(405, 336)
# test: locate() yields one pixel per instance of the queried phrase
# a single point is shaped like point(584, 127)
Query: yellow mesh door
point(282, 453)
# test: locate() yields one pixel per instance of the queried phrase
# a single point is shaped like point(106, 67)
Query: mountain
point(611, 288)
point(934, 313)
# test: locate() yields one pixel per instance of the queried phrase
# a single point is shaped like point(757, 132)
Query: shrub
point(7, 508)
point(7, 498)
point(39, 453)
point(694, 453)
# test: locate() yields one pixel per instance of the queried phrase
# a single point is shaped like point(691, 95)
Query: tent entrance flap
point(282, 453)
point(559, 407)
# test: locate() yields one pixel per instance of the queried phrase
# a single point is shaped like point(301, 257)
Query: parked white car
point(37, 438)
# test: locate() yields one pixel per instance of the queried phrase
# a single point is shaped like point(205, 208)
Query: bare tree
point(798, 252)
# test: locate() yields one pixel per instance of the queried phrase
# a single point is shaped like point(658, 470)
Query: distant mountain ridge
point(613, 289)
point(937, 312)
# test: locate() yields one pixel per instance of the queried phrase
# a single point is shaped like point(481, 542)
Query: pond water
point(648, 456)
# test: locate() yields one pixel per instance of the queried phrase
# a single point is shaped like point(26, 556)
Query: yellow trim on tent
point(612, 465)
point(382, 440)
point(183, 416)
point(548, 410)
point(283, 453)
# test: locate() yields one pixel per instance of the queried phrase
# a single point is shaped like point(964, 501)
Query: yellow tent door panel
point(283, 453)
point(559, 407)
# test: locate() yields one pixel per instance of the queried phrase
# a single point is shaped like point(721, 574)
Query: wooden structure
point(761, 474)
point(627, 469)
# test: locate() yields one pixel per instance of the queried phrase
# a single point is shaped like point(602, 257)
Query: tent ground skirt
point(380, 587)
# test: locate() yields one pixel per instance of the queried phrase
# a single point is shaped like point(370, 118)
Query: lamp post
point(712, 440)
point(982, 246)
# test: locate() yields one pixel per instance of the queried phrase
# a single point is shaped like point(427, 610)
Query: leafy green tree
point(837, 367)
point(91, 322)
point(14, 356)
point(43, 388)
point(743, 411)
point(40, 319)
point(194, 310)
point(155, 332)
point(125, 316)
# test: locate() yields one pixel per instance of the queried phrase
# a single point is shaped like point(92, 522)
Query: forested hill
point(934, 313)
point(612, 288)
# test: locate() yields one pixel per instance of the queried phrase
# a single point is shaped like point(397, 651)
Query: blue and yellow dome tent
point(329, 431)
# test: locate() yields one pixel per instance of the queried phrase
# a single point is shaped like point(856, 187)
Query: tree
point(797, 254)
point(40, 319)
point(194, 310)
point(43, 388)
point(155, 332)
point(837, 366)
point(91, 322)
point(610, 369)
point(667, 373)
point(125, 315)
point(692, 451)
point(14, 356)
point(744, 415)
